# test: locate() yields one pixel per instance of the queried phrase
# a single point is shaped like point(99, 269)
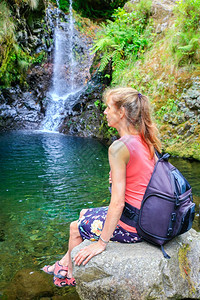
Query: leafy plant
point(7, 27)
point(64, 5)
point(15, 60)
point(101, 105)
point(124, 37)
point(186, 40)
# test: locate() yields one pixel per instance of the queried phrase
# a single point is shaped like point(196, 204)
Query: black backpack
point(167, 208)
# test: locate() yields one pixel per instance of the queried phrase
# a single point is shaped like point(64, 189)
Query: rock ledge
point(139, 271)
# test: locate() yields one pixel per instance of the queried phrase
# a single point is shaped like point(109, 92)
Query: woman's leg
point(74, 240)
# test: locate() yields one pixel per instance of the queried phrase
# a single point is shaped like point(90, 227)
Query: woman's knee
point(74, 228)
point(83, 211)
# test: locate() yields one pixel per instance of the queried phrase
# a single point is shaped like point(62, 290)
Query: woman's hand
point(85, 254)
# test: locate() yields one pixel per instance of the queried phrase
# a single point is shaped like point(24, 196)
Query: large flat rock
point(139, 271)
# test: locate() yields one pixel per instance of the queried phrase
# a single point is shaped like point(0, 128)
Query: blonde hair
point(138, 113)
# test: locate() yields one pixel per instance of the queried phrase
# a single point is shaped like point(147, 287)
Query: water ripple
point(45, 180)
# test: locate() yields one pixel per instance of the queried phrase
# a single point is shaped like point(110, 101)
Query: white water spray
point(71, 44)
point(65, 73)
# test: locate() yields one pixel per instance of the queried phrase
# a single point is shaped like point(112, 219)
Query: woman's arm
point(118, 159)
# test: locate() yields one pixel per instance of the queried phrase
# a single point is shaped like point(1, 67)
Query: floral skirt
point(92, 222)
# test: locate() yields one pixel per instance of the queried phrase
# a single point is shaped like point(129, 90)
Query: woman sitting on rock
point(131, 161)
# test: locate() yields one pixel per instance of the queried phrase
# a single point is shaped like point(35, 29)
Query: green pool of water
point(45, 180)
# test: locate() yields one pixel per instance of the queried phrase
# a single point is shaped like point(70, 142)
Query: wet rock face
point(33, 33)
point(21, 107)
point(85, 118)
point(19, 110)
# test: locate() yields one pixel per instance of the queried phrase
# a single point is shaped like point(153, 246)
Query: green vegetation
point(98, 9)
point(64, 5)
point(15, 59)
point(17, 16)
point(124, 39)
point(160, 65)
point(8, 43)
point(185, 42)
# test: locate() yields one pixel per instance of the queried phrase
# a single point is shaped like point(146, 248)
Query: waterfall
point(71, 55)
point(66, 72)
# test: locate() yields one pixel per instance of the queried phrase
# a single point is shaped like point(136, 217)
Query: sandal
point(60, 268)
point(71, 281)
point(46, 270)
point(64, 282)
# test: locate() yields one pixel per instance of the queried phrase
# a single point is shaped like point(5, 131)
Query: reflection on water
point(45, 180)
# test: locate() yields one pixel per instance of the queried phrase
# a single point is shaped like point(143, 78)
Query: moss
point(85, 25)
point(15, 58)
point(184, 266)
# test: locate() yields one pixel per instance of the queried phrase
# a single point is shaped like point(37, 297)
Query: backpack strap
point(157, 154)
point(164, 253)
point(130, 215)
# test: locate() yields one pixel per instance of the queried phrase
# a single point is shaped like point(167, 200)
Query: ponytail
point(137, 110)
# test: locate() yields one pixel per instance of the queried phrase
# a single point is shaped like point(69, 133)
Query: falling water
point(65, 73)
point(71, 55)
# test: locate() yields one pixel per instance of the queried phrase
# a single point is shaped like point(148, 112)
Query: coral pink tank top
point(138, 172)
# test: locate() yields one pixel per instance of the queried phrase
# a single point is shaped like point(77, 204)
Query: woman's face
point(112, 113)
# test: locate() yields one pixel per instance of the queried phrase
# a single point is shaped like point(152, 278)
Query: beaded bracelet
point(103, 240)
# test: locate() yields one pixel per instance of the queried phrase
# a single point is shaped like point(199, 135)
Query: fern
point(104, 61)
point(186, 42)
point(122, 37)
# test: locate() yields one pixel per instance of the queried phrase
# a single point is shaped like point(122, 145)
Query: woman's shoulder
point(118, 149)
point(117, 145)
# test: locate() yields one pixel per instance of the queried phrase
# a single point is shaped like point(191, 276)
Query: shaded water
point(45, 180)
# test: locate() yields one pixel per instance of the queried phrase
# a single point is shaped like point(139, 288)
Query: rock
point(19, 110)
point(139, 271)
point(28, 284)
